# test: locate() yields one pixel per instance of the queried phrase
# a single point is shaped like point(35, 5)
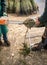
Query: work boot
point(39, 46)
point(7, 43)
point(45, 44)
point(1, 43)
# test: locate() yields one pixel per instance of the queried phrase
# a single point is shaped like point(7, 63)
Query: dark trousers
point(4, 37)
point(3, 31)
point(45, 33)
point(44, 37)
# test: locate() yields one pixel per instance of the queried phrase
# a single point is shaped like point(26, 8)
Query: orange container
point(2, 21)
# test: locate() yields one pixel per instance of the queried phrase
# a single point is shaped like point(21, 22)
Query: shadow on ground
point(34, 58)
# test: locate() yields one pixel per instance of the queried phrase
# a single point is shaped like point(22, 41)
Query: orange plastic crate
point(2, 21)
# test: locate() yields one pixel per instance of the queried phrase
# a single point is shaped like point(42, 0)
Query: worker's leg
point(43, 43)
point(45, 36)
point(4, 32)
point(0, 36)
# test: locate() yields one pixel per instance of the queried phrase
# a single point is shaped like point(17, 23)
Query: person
point(42, 20)
point(3, 27)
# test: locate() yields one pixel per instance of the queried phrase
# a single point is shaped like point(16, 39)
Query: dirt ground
point(15, 17)
point(16, 35)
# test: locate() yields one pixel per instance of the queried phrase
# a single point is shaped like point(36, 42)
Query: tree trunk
point(13, 9)
point(17, 6)
point(8, 5)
